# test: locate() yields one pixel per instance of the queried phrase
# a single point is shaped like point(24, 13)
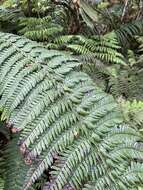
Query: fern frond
point(39, 29)
point(130, 86)
point(105, 48)
point(127, 32)
point(67, 125)
point(129, 175)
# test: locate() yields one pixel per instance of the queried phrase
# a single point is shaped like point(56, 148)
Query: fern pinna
point(68, 127)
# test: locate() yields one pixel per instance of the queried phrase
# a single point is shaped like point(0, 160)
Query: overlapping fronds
point(127, 80)
point(127, 31)
point(105, 48)
point(39, 29)
point(68, 126)
point(127, 84)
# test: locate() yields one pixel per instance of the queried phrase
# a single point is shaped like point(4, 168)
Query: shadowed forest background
point(71, 95)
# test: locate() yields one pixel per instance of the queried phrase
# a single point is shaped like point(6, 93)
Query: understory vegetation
point(71, 95)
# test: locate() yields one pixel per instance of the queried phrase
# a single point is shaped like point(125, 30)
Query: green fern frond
point(129, 175)
point(67, 125)
point(127, 32)
point(105, 48)
point(127, 80)
point(39, 29)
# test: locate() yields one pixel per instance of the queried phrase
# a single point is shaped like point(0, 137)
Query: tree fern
point(67, 125)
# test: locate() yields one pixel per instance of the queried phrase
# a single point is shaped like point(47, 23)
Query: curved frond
point(68, 126)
